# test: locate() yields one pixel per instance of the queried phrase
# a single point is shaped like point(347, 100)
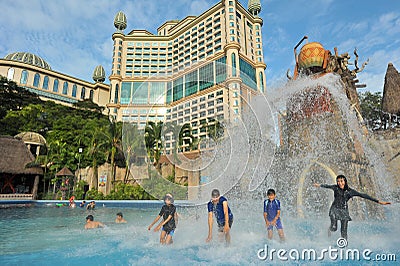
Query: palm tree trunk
point(95, 176)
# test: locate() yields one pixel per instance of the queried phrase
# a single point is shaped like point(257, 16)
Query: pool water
point(56, 236)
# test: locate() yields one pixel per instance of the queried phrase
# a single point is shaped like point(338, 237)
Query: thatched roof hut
point(391, 91)
point(15, 177)
point(15, 156)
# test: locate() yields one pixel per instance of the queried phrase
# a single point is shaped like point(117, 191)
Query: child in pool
point(218, 205)
point(272, 213)
point(168, 224)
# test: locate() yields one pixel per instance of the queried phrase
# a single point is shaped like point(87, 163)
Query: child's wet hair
point(271, 192)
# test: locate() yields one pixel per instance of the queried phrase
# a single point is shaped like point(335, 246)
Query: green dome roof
point(254, 7)
point(99, 75)
point(28, 58)
point(120, 21)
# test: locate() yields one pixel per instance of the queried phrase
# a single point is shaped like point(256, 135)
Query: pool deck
point(141, 204)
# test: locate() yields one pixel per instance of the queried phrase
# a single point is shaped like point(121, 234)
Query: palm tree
point(181, 135)
point(133, 145)
point(57, 154)
point(114, 138)
point(96, 153)
point(215, 130)
point(153, 135)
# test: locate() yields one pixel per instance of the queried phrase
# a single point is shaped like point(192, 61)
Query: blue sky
point(74, 36)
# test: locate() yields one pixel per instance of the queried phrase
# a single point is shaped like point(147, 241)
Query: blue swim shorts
point(171, 233)
point(278, 225)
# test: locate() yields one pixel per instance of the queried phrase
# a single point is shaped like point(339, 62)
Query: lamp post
point(80, 150)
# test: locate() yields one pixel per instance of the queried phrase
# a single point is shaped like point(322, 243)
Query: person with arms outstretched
point(339, 209)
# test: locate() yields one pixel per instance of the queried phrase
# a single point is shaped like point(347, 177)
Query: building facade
point(35, 74)
point(196, 70)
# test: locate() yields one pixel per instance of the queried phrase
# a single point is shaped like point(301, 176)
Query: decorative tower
point(120, 21)
point(254, 7)
point(120, 24)
point(99, 75)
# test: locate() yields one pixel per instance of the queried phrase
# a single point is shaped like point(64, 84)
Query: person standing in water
point(168, 224)
point(339, 208)
point(218, 206)
point(272, 212)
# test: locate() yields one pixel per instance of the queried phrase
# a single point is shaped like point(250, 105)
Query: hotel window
point(10, 73)
point(231, 24)
point(233, 64)
point(116, 93)
point(232, 31)
point(232, 39)
point(36, 80)
point(231, 3)
point(231, 17)
point(261, 77)
point(230, 10)
point(24, 77)
point(202, 114)
point(83, 93)
point(55, 85)
point(45, 85)
point(211, 111)
point(249, 74)
point(65, 88)
point(74, 89)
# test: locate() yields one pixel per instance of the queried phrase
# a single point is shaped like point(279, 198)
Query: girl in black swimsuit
point(339, 208)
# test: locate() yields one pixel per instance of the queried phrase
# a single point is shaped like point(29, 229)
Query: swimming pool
point(46, 235)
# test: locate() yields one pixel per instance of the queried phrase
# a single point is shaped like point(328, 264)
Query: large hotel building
point(195, 70)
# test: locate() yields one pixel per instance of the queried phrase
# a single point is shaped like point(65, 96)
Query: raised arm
point(355, 193)
point(324, 185)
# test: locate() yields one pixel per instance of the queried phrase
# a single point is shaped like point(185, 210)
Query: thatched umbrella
point(391, 91)
point(65, 172)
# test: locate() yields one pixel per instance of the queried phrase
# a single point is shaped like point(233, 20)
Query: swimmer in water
point(91, 224)
point(120, 218)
